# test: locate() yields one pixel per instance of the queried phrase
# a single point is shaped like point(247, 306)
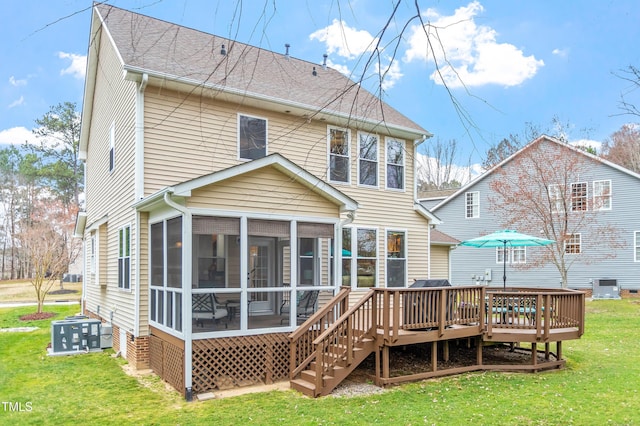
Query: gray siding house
point(472, 211)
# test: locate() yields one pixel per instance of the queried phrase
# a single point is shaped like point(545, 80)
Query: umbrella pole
point(504, 266)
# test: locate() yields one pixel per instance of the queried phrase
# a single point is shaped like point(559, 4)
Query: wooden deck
point(331, 344)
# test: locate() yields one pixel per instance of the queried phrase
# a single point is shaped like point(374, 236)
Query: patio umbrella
point(504, 239)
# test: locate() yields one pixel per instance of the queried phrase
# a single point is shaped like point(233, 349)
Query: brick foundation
point(137, 347)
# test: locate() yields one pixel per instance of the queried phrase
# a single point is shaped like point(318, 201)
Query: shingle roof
point(174, 52)
point(439, 237)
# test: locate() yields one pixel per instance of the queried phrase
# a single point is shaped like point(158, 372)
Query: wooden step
point(304, 387)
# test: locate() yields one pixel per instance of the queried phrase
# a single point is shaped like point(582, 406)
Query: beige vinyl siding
point(439, 262)
point(144, 273)
point(110, 194)
point(266, 191)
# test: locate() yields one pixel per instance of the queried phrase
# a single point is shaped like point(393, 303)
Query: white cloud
point(78, 65)
point(563, 53)
point(17, 82)
point(391, 75)
point(587, 143)
point(466, 53)
point(462, 174)
point(343, 69)
point(17, 102)
point(345, 41)
point(17, 136)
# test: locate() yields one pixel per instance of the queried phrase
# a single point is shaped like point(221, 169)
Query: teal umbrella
point(504, 239)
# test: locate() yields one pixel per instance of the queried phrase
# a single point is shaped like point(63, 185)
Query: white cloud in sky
point(587, 143)
point(391, 74)
point(78, 65)
point(17, 136)
point(563, 53)
point(468, 54)
point(17, 82)
point(17, 102)
point(343, 69)
point(462, 174)
point(345, 41)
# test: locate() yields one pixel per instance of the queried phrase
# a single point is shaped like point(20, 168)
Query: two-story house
point(230, 190)
point(565, 183)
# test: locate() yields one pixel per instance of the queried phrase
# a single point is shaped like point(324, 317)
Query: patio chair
point(305, 305)
point(206, 307)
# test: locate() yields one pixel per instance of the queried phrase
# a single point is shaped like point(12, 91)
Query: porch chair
point(205, 307)
point(305, 305)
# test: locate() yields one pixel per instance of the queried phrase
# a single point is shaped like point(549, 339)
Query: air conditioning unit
point(606, 288)
point(75, 335)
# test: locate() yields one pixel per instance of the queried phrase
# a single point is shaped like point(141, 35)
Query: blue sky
point(519, 61)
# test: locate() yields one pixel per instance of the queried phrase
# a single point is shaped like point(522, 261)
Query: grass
point(599, 386)
point(22, 291)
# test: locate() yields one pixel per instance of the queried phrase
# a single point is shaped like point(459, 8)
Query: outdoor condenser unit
point(75, 335)
point(606, 289)
point(106, 336)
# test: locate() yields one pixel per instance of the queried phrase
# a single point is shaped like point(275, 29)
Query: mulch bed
point(37, 316)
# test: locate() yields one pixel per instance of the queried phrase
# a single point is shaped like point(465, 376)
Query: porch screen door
point(261, 273)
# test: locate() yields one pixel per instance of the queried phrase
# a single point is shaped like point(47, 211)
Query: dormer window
point(252, 137)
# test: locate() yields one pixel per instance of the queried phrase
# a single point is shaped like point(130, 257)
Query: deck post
point(534, 353)
point(547, 346)
point(434, 356)
point(385, 362)
point(479, 350)
point(559, 349)
point(445, 351)
point(378, 360)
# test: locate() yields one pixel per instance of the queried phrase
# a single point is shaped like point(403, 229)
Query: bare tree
point(631, 74)
point(623, 147)
point(539, 192)
point(437, 168)
point(46, 246)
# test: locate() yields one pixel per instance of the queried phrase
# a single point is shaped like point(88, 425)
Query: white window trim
point(596, 196)
point(112, 147)
point(348, 156)
point(475, 215)
point(586, 196)
point(122, 228)
point(92, 254)
point(579, 244)
point(556, 198)
point(377, 160)
point(405, 258)
point(636, 246)
point(266, 135)
point(510, 257)
point(403, 145)
point(354, 255)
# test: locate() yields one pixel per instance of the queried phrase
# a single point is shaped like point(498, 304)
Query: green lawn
point(600, 386)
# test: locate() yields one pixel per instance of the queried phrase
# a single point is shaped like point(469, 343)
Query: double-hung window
point(602, 195)
point(573, 244)
point(579, 196)
point(124, 258)
point(636, 246)
point(339, 155)
point(395, 164)
point(396, 259)
point(556, 198)
point(472, 205)
point(511, 255)
point(367, 159)
point(252, 137)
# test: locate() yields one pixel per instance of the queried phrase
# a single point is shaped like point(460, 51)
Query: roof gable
point(539, 140)
point(178, 54)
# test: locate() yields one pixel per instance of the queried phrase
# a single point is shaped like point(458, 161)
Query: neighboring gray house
point(606, 188)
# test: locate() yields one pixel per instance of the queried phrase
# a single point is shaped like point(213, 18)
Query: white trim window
point(92, 255)
point(124, 258)
point(339, 155)
point(395, 164)
point(556, 198)
point(573, 244)
point(513, 255)
point(472, 204)
point(396, 258)
point(367, 257)
point(252, 137)
point(112, 147)
point(636, 246)
point(368, 159)
point(579, 197)
point(602, 195)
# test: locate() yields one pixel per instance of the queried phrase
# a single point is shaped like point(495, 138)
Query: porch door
point(261, 274)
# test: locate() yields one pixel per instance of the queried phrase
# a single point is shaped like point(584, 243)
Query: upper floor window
point(579, 196)
point(124, 258)
point(472, 204)
point(636, 246)
point(573, 244)
point(602, 195)
point(367, 159)
point(112, 147)
point(339, 155)
point(395, 164)
point(252, 137)
point(556, 198)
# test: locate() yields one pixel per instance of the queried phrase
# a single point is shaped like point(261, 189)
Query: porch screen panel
point(315, 230)
point(216, 225)
point(268, 228)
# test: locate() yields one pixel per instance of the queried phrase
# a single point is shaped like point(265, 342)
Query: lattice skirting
point(167, 361)
point(239, 361)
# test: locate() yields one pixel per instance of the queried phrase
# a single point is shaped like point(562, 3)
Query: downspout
point(337, 259)
point(186, 293)
point(139, 192)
